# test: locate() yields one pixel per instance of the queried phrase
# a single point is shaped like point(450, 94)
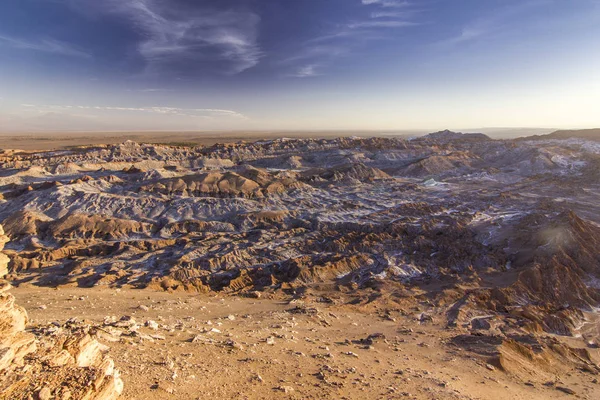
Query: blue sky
point(298, 64)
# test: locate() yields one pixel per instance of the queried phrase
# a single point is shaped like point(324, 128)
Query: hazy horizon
point(333, 65)
point(499, 132)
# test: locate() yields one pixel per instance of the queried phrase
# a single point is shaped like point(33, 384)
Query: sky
point(205, 65)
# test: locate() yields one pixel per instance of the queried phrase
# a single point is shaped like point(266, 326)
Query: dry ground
point(62, 140)
point(208, 346)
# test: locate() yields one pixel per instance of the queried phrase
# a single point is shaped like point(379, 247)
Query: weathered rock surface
point(456, 246)
point(490, 225)
point(49, 365)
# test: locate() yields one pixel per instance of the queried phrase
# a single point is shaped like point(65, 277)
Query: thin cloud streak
point(323, 52)
point(306, 71)
point(172, 35)
point(46, 45)
point(188, 112)
point(387, 3)
point(394, 14)
point(493, 24)
point(381, 24)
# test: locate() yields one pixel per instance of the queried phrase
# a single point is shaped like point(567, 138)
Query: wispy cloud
point(173, 36)
point(306, 71)
point(174, 111)
point(52, 117)
point(45, 45)
point(313, 58)
point(321, 51)
point(381, 24)
point(467, 34)
point(495, 23)
point(387, 3)
point(405, 14)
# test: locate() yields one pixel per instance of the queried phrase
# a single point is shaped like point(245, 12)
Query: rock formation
point(495, 240)
point(443, 209)
point(50, 364)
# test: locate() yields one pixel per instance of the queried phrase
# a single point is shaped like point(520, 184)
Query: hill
point(588, 134)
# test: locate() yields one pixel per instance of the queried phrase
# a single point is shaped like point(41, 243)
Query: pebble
point(286, 389)
point(151, 325)
point(45, 394)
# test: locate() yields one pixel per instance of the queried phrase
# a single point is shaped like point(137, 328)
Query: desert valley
point(299, 199)
point(443, 266)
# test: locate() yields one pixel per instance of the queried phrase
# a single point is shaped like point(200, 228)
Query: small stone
point(197, 338)
point(490, 367)
point(286, 389)
point(235, 345)
point(45, 394)
point(565, 390)
point(424, 317)
point(151, 325)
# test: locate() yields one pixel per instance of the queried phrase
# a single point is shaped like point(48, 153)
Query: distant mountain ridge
point(447, 135)
point(588, 134)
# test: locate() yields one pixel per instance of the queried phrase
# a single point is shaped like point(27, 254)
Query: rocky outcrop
point(53, 363)
point(588, 134)
point(558, 263)
point(358, 172)
point(438, 165)
point(211, 184)
point(446, 136)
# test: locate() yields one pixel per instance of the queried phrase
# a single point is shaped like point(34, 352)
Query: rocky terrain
point(50, 363)
point(480, 254)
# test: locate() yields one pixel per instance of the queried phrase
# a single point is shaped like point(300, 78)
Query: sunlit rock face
point(52, 363)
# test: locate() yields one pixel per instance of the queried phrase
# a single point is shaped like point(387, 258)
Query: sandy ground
point(207, 346)
point(61, 140)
